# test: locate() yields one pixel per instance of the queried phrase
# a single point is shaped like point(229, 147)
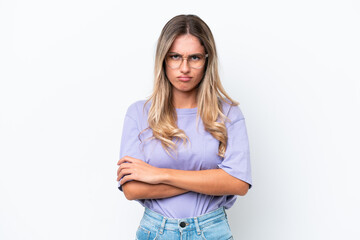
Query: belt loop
point(225, 212)
point(162, 225)
point(197, 226)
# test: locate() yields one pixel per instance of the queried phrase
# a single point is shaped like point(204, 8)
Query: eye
point(195, 57)
point(175, 57)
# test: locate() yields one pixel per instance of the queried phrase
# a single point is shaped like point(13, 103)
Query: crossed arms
point(140, 180)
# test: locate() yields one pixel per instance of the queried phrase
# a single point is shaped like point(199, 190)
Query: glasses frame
point(186, 58)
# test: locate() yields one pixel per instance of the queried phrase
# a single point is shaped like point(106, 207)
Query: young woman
point(184, 152)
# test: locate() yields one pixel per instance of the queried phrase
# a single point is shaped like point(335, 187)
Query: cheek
point(169, 74)
point(200, 75)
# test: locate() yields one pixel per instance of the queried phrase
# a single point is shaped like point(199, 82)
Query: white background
point(69, 69)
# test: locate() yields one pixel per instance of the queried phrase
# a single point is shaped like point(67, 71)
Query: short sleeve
point(237, 155)
point(130, 142)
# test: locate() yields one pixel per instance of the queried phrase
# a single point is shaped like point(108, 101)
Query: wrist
point(165, 175)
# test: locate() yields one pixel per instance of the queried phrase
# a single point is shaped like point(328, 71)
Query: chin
point(185, 89)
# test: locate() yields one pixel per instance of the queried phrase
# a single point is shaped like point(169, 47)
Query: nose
point(184, 67)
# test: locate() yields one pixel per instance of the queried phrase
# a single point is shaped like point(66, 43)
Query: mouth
point(184, 78)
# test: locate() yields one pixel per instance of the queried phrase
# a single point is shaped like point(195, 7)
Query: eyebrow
point(188, 55)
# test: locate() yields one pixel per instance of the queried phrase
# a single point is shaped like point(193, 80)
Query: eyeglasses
point(174, 60)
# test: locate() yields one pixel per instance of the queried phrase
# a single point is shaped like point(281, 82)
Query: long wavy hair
point(162, 117)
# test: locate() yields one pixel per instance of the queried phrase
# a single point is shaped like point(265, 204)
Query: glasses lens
point(173, 60)
point(196, 60)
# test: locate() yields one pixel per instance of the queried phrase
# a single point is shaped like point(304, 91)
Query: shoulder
point(232, 111)
point(138, 109)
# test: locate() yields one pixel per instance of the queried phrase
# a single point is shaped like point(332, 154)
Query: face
point(185, 79)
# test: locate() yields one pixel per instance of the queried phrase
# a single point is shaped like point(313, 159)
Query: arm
point(210, 182)
point(139, 190)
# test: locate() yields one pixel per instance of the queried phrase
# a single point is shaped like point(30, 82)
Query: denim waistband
point(183, 224)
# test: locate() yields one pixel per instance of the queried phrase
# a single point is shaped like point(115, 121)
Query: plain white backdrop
point(69, 69)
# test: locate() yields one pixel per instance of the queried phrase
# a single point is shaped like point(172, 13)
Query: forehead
point(186, 44)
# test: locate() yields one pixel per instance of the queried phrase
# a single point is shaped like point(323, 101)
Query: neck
point(184, 99)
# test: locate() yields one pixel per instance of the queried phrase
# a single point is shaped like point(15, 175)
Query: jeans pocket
point(205, 238)
point(218, 231)
point(142, 234)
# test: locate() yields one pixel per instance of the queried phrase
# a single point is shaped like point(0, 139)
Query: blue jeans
point(210, 226)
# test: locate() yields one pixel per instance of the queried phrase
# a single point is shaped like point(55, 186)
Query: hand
point(135, 169)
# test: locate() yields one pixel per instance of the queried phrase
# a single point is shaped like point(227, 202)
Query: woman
point(184, 151)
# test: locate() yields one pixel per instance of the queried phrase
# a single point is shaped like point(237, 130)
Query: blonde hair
point(162, 117)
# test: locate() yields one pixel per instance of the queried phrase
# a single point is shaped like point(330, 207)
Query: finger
point(122, 160)
point(123, 166)
point(126, 179)
point(126, 159)
point(123, 173)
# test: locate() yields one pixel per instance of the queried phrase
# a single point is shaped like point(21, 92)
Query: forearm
point(135, 190)
point(211, 182)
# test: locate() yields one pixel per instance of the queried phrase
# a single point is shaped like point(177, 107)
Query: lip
point(184, 78)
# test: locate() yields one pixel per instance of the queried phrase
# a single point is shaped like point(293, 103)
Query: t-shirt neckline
point(186, 111)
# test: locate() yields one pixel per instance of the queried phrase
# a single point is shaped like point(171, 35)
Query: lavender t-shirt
point(199, 154)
